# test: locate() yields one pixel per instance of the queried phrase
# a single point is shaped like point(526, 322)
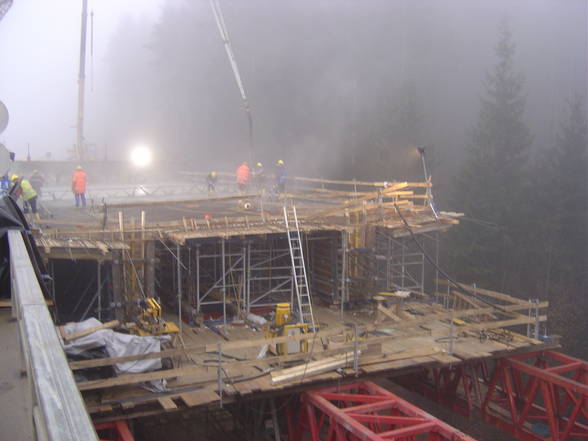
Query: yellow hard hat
point(79, 167)
point(259, 164)
point(280, 162)
point(213, 174)
point(14, 177)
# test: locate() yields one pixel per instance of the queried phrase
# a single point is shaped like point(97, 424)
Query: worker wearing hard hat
point(211, 181)
point(259, 176)
point(4, 185)
point(37, 180)
point(243, 175)
point(22, 187)
point(281, 176)
point(78, 186)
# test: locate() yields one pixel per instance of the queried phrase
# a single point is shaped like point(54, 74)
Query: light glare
point(141, 156)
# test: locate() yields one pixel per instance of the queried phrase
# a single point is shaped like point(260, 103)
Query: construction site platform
point(380, 342)
point(198, 214)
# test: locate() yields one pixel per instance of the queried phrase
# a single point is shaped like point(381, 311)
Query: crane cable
point(224, 33)
point(456, 285)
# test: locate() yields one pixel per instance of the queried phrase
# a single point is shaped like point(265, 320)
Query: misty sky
point(39, 49)
point(39, 59)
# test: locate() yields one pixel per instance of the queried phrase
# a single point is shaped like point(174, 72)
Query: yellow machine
point(283, 326)
point(150, 322)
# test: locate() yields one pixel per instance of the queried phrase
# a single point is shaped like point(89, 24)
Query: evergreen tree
point(560, 258)
point(491, 186)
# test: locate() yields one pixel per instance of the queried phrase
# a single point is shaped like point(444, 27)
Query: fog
point(39, 59)
point(338, 88)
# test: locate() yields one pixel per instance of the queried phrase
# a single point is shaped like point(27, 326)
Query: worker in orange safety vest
point(243, 175)
point(78, 186)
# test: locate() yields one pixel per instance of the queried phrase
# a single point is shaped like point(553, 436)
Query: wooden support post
point(118, 297)
point(99, 288)
point(149, 279)
point(198, 277)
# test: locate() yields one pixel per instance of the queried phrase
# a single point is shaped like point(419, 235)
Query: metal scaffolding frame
point(250, 272)
point(401, 264)
point(256, 271)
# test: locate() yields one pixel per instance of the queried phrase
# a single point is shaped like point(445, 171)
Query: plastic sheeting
point(116, 344)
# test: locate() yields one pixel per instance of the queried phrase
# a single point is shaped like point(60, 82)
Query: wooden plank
point(179, 202)
point(469, 300)
point(197, 397)
point(107, 325)
point(7, 303)
point(312, 368)
point(388, 313)
point(148, 376)
point(486, 292)
point(404, 355)
point(167, 403)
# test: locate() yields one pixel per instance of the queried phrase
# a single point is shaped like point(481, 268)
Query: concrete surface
point(16, 423)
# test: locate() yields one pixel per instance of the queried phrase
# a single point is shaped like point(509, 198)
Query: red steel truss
point(114, 431)
point(539, 396)
point(457, 387)
point(367, 412)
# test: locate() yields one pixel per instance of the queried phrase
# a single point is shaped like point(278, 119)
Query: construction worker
point(78, 186)
point(281, 176)
point(37, 180)
point(211, 181)
point(28, 193)
point(243, 175)
point(259, 176)
point(4, 185)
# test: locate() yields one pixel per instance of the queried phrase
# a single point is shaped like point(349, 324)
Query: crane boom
point(224, 33)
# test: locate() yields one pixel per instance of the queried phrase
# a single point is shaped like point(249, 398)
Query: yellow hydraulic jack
point(150, 322)
point(283, 326)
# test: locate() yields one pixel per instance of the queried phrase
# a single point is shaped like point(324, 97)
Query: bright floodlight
point(141, 156)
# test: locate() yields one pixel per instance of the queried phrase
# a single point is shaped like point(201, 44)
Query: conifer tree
point(491, 185)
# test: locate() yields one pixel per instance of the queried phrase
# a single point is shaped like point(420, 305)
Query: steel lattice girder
point(539, 396)
point(367, 412)
point(119, 429)
point(457, 387)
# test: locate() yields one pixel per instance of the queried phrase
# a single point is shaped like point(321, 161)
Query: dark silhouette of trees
point(490, 187)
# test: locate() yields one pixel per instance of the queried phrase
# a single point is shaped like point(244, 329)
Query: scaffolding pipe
point(343, 270)
point(198, 278)
point(179, 271)
point(224, 287)
point(248, 292)
point(99, 288)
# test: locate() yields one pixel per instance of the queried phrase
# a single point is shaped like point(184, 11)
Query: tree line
point(525, 229)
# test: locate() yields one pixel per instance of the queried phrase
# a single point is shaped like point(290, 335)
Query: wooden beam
point(69, 337)
point(485, 292)
point(148, 376)
point(388, 313)
point(179, 202)
point(312, 368)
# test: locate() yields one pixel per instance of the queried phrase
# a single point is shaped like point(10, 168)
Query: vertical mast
point(80, 151)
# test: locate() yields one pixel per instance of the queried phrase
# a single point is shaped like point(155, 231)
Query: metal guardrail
point(59, 413)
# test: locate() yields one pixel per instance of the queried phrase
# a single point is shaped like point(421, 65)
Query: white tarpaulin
point(116, 344)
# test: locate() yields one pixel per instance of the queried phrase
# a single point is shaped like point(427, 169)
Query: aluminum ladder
point(305, 314)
